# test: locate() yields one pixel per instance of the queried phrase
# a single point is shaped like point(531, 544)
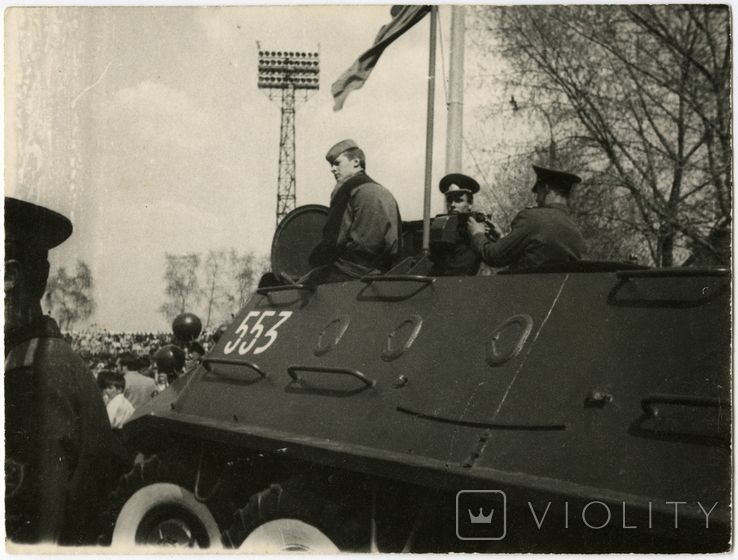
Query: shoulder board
point(22, 355)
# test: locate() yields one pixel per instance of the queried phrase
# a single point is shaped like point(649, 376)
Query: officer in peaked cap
point(458, 183)
point(544, 234)
point(457, 259)
point(560, 180)
point(57, 433)
point(362, 234)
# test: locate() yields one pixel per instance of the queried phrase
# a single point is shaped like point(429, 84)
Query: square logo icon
point(481, 515)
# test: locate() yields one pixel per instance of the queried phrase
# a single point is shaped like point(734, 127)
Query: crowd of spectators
point(133, 355)
point(100, 349)
point(125, 367)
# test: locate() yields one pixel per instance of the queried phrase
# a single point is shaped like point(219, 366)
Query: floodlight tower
point(292, 76)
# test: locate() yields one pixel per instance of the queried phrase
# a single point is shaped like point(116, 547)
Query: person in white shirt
point(119, 409)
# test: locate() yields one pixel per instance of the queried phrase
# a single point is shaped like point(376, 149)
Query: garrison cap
point(458, 183)
point(338, 149)
point(35, 226)
point(560, 179)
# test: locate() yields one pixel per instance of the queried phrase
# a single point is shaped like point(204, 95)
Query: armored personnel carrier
point(579, 407)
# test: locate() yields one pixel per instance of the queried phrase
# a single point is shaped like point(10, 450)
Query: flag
point(403, 18)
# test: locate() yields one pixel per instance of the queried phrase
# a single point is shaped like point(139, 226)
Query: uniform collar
point(41, 327)
point(558, 205)
point(360, 173)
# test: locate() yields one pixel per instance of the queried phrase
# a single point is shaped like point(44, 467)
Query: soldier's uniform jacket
point(539, 235)
point(363, 228)
point(457, 260)
point(57, 440)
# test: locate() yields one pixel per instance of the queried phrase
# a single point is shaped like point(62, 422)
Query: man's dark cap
point(197, 347)
point(338, 149)
point(35, 226)
point(558, 179)
point(458, 183)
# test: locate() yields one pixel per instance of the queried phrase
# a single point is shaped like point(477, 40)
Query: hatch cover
point(297, 235)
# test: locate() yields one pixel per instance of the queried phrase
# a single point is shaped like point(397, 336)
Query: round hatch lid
point(297, 235)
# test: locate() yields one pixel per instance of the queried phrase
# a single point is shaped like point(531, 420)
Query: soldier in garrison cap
point(540, 235)
point(57, 434)
point(458, 259)
point(362, 234)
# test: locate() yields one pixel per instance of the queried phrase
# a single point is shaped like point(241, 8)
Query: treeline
point(69, 296)
point(214, 286)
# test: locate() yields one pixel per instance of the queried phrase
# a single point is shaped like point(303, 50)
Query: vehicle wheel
point(153, 507)
point(287, 535)
point(165, 514)
point(299, 517)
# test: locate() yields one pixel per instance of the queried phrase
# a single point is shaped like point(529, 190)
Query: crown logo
point(481, 518)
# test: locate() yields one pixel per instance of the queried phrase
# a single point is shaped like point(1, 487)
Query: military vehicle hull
point(590, 410)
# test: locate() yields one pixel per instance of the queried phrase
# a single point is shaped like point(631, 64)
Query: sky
point(146, 127)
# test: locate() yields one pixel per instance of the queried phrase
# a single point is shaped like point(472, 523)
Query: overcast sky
point(146, 127)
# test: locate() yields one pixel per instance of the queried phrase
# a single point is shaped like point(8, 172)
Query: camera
point(448, 229)
point(480, 217)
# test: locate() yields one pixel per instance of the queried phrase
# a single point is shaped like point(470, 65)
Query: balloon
point(187, 327)
point(170, 358)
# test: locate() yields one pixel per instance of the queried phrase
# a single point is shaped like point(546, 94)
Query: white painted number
point(245, 346)
point(256, 330)
point(272, 333)
point(242, 330)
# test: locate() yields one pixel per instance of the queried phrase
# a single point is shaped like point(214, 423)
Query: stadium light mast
point(292, 77)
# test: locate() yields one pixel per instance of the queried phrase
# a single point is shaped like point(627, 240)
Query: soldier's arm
point(55, 439)
point(506, 250)
point(374, 227)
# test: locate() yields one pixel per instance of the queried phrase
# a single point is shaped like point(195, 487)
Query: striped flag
point(403, 18)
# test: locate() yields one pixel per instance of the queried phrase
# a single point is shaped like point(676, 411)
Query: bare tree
point(243, 278)
point(70, 298)
point(639, 98)
point(245, 269)
point(182, 285)
point(214, 290)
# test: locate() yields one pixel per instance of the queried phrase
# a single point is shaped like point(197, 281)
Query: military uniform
point(458, 259)
point(57, 434)
point(369, 234)
point(362, 234)
point(57, 440)
point(539, 235)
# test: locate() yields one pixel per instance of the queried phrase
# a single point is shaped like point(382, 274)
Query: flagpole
point(429, 130)
point(456, 92)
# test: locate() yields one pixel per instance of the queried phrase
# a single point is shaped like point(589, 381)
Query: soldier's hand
point(474, 227)
point(493, 232)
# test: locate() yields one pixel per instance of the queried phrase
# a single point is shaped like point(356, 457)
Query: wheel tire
point(164, 514)
point(296, 516)
point(287, 535)
point(154, 495)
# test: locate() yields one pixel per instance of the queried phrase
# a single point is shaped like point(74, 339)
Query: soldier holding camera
point(459, 259)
